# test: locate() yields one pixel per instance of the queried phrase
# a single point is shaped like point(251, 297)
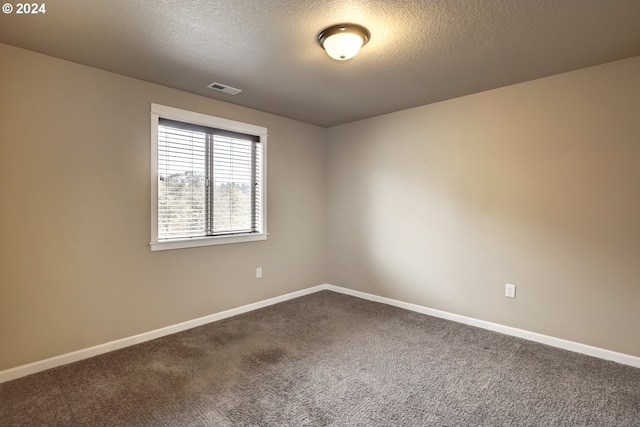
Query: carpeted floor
point(329, 359)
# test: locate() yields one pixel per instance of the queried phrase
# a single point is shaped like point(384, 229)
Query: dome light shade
point(343, 41)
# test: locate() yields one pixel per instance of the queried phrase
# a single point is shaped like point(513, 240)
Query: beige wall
point(536, 184)
point(76, 269)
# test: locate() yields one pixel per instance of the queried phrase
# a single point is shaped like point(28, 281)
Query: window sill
point(205, 241)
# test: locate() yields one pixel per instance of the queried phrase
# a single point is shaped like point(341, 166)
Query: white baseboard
point(624, 359)
point(42, 365)
point(53, 362)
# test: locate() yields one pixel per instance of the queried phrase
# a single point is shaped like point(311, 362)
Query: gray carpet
point(329, 359)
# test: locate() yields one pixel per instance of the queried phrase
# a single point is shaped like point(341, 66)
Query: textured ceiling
point(421, 51)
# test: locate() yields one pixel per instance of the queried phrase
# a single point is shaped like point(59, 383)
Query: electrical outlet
point(510, 291)
point(259, 273)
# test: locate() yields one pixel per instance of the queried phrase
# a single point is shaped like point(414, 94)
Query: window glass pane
point(181, 183)
point(232, 207)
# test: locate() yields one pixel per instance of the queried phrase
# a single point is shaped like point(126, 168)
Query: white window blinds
point(209, 181)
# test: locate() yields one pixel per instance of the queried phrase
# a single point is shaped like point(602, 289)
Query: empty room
point(320, 213)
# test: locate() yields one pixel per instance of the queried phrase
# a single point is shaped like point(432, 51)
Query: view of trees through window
point(206, 184)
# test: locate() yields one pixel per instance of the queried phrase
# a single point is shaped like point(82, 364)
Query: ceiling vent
point(224, 88)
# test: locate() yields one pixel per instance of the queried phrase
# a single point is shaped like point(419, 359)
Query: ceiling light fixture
point(343, 41)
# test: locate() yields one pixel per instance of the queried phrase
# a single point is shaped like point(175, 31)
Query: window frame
point(171, 113)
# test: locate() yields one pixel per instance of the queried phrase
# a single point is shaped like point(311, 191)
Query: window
point(207, 179)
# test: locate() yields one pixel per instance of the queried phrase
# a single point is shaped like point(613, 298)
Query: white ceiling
point(421, 51)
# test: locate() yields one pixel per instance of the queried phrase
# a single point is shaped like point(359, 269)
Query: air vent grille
point(224, 88)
